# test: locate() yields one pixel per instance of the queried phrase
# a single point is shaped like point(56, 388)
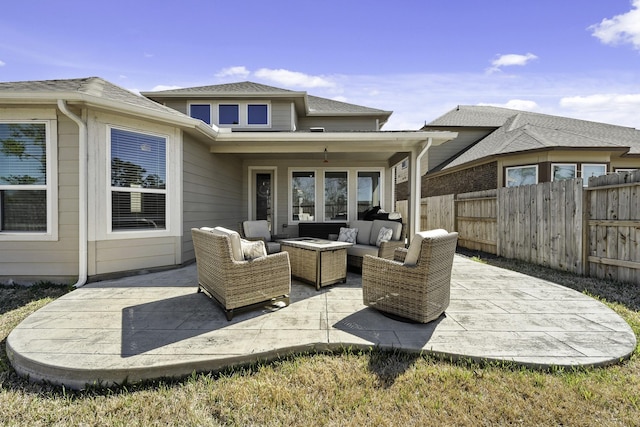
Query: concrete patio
point(156, 325)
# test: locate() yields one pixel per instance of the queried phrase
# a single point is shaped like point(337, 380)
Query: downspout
point(417, 189)
point(82, 194)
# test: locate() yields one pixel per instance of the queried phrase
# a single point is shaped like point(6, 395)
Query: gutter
point(417, 188)
point(82, 194)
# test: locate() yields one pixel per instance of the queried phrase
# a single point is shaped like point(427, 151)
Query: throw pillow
point(253, 249)
point(384, 234)
point(347, 235)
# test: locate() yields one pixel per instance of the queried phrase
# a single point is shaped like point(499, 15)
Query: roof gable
point(524, 131)
point(311, 105)
point(95, 87)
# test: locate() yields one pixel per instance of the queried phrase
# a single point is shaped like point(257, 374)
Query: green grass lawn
point(346, 388)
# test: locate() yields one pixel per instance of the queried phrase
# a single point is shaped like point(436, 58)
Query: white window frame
point(625, 170)
point(585, 180)
point(51, 187)
point(243, 114)
point(507, 169)
point(574, 165)
point(169, 191)
point(352, 188)
point(190, 104)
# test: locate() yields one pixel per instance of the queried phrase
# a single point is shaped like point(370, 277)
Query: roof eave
point(287, 142)
point(76, 98)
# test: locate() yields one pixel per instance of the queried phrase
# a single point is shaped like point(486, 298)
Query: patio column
point(415, 175)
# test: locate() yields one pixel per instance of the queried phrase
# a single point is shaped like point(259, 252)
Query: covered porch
point(294, 177)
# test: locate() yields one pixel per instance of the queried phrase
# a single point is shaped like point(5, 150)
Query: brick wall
point(477, 178)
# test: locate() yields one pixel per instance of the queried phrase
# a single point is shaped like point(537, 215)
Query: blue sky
point(575, 58)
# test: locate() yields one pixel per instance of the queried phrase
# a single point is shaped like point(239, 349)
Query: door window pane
point(336, 196)
point(303, 196)
point(368, 191)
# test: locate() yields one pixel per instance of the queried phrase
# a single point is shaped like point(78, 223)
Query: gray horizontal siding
point(212, 192)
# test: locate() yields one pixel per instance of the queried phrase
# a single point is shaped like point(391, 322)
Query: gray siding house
point(98, 181)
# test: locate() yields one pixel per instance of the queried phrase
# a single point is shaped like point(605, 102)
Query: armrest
point(388, 247)
point(400, 254)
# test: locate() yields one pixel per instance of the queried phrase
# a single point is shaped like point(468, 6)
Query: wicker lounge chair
point(259, 230)
point(233, 282)
point(416, 284)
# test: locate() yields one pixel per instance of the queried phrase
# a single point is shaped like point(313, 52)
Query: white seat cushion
point(416, 244)
point(234, 237)
point(362, 250)
point(258, 228)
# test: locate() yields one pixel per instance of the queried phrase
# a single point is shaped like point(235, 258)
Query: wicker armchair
point(259, 230)
point(239, 284)
point(416, 284)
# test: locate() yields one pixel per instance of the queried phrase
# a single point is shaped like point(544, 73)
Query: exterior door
point(263, 197)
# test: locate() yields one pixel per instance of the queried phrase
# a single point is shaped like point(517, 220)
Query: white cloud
point(2, 64)
point(165, 87)
point(517, 104)
point(236, 72)
point(614, 108)
point(293, 78)
point(620, 29)
point(511, 60)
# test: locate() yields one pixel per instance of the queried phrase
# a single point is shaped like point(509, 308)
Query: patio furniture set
point(243, 271)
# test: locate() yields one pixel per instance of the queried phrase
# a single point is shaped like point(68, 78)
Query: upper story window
point(138, 181)
point(27, 186)
point(233, 114)
point(250, 114)
point(257, 114)
point(228, 114)
point(201, 111)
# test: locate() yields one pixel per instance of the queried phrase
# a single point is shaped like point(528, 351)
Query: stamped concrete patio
point(156, 325)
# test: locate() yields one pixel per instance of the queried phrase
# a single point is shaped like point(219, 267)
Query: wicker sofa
point(366, 240)
point(416, 284)
point(232, 281)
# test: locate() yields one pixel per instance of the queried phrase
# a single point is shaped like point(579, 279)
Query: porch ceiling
point(361, 146)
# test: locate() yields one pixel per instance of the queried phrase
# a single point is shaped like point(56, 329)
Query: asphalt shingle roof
point(518, 131)
point(91, 86)
point(316, 105)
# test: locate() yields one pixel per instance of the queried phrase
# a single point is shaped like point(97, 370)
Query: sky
point(417, 58)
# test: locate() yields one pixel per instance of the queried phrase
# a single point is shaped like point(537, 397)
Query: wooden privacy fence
point(563, 225)
point(613, 227)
